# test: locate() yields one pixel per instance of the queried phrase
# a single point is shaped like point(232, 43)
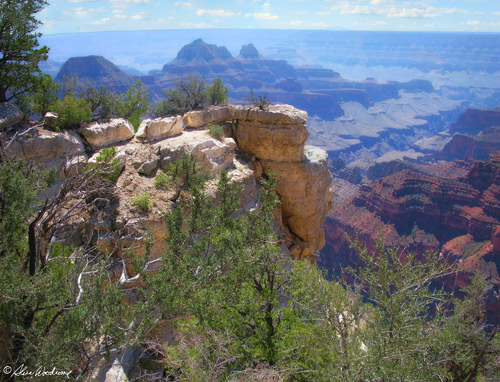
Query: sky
point(74, 16)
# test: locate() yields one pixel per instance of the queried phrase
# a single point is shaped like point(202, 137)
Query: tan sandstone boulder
point(306, 197)
point(213, 154)
point(47, 147)
point(106, 134)
point(277, 134)
point(214, 114)
point(154, 129)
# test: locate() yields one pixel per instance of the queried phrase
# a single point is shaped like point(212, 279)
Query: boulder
point(9, 115)
point(212, 154)
point(148, 167)
point(106, 134)
point(306, 198)
point(214, 114)
point(62, 150)
point(50, 120)
point(154, 129)
point(276, 134)
point(46, 145)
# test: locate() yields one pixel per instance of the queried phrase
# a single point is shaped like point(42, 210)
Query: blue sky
point(70, 16)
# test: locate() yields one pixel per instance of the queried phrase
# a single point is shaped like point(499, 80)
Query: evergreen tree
point(19, 47)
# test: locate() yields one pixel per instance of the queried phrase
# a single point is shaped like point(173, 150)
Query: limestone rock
point(214, 114)
point(47, 147)
point(105, 134)
point(306, 197)
point(277, 134)
point(50, 120)
point(9, 115)
point(212, 154)
point(153, 129)
point(279, 114)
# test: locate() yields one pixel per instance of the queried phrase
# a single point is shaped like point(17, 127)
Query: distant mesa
point(96, 71)
point(249, 51)
point(199, 50)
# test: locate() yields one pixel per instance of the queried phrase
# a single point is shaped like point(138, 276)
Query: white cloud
point(80, 11)
point(262, 16)
point(197, 25)
point(393, 9)
point(296, 22)
point(214, 12)
point(473, 22)
point(184, 4)
point(102, 21)
point(126, 3)
point(140, 16)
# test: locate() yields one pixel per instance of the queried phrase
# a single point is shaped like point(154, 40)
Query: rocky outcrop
point(278, 133)
point(276, 138)
point(154, 129)
point(306, 197)
point(9, 115)
point(107, 134)
point(213, 114)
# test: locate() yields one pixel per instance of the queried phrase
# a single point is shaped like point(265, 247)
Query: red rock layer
point(459, 216)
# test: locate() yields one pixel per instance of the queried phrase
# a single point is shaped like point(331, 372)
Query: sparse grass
point(162, 181)
point(142, 202)
point(215, 131)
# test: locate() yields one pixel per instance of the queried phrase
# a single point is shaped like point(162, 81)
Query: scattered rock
point(148, 167)
point(154, 129)
point(9, 115)
point(214, 114)
point(105, 134)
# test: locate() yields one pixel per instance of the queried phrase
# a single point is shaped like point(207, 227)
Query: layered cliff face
point(257, 141)
point(473, 121)
point(425, 207)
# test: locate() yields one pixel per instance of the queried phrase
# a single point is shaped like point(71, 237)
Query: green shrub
point(142, 202)
point(217, 93)
point(72, 112)
point(259, 100)
point(107, 155)
point(216, 131)
point(110, 165)
point(162, 181)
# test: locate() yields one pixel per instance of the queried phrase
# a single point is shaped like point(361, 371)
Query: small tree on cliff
point(19, 50)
